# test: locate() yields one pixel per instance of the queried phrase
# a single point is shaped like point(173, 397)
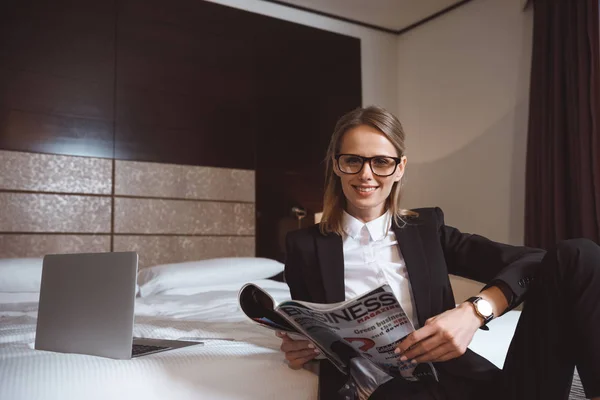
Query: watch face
point(484, 308)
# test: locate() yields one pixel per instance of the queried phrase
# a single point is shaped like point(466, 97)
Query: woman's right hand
point(297, 352)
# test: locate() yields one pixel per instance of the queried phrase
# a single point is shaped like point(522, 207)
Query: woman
point(365, 239)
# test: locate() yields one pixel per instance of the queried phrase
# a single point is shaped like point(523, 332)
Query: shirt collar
point(378, 228)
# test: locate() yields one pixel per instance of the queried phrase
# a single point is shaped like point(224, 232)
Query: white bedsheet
point(251, 367)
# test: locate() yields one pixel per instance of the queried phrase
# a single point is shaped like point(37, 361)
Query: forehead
point(366, 141)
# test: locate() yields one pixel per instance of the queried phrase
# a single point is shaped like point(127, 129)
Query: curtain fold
point(562, 195)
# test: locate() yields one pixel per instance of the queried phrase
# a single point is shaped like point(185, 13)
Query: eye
point(352, 160)
point(382, 161)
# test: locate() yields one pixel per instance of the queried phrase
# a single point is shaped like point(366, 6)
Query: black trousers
point(559, 329)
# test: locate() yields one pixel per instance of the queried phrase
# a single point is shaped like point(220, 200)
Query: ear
point(400, 170)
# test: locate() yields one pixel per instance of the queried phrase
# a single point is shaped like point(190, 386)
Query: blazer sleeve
point(293, 269)
point(511, 268)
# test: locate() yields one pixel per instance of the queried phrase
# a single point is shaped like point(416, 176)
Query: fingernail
point(311, 346)
point(403, 358)
point(397, 351)
point(414, 362)
point(317, 351)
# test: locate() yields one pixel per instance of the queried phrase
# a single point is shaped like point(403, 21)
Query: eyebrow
point(377, 155)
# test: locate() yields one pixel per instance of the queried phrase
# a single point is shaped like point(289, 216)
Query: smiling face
point(365, 192)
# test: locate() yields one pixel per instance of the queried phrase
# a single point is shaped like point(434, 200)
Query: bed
point(178, 218)
point(238, 360)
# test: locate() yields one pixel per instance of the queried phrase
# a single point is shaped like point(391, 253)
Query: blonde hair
point(334, 201)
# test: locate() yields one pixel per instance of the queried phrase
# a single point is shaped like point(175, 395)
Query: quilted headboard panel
point(165, 212)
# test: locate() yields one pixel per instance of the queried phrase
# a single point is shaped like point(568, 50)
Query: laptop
point(86, 306)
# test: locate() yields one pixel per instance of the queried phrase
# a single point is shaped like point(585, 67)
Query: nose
point(366, 173)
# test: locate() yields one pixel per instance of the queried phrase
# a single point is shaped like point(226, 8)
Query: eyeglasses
point(380, 165)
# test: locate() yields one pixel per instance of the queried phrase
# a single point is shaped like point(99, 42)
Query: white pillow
point(215, 271)
point(20, 274)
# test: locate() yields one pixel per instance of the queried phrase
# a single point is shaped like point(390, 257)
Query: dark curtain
point(562, 197)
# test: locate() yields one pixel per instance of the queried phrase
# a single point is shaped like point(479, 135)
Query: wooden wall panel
point(197, 83)
point(186, 93)
point(56, 77)
point(56, 134)
point(42, 93)
point(71, 39)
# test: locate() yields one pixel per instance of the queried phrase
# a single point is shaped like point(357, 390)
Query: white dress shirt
point(372, 258)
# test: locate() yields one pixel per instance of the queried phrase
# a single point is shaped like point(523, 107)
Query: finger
point(414, 338)
point(295, 345)
point(286, 337)
point(294, 355)
point(448, 356)
point(434, 354)
point(297, 363)
point(280, 334)
point(422, 348)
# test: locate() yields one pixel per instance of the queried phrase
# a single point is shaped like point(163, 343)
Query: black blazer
point(314, 271)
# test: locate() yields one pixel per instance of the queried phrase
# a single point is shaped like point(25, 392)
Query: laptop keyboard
point(140, 349)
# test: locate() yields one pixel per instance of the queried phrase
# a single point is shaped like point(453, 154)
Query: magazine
point(369, 326)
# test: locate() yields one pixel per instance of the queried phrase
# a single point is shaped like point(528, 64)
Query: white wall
point(378, 49)
point(463, 92)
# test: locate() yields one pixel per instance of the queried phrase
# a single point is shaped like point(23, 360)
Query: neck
point(366, 214)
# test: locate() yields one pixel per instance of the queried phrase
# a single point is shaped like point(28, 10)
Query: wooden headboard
point(165, 212)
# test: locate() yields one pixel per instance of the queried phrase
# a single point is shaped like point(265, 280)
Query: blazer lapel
point(411, 246)
point(331, 261)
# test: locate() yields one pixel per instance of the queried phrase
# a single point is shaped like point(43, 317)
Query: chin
point(363, 204)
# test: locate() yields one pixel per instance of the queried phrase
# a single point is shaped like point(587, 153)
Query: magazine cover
point(368, 327)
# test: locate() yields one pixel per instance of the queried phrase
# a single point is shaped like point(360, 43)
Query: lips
point(365, 189)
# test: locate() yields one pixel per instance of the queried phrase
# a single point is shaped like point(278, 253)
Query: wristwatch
point(483, 308)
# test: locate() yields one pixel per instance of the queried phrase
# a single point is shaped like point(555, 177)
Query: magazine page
point(371, 325)
point(324, 336)
point(259, 306)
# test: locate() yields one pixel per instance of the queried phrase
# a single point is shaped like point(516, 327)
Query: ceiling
point(391, 15)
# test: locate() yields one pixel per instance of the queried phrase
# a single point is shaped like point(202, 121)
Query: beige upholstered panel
point(155, 250)
point(16, 245)
point(183, 217)
point(168, 213)
point(29, 212)
point(53, 173)
point(183, 182)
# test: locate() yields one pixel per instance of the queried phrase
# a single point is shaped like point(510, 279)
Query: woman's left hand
point(444, 337)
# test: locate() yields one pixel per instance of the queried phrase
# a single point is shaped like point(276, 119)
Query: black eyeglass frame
point(337, 157)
